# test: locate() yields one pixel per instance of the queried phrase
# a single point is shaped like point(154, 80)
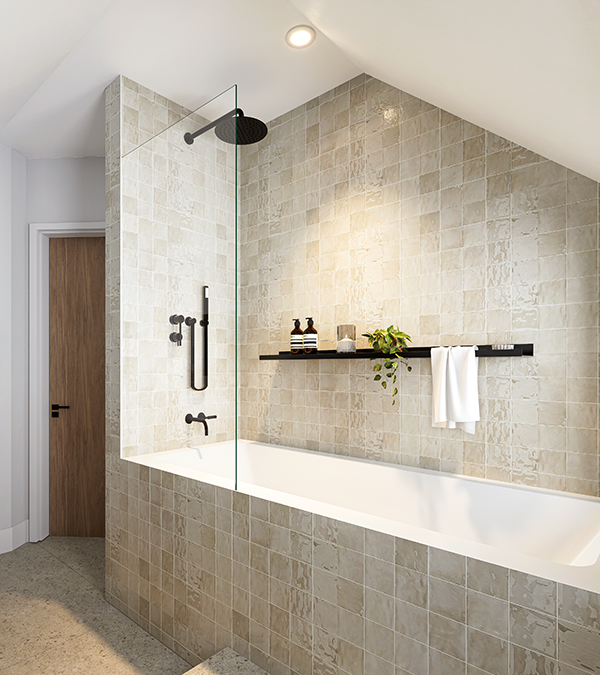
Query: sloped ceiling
point(186, 50)
point(34, 38)
point(528, 70)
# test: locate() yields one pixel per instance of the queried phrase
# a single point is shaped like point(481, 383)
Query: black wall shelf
point(409, 353)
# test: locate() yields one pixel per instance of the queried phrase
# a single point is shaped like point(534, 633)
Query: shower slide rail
point(191, 322)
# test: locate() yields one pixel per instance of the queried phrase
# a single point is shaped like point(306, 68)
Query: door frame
point(39, 365)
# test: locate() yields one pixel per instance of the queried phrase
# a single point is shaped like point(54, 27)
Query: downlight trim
point(300, 36)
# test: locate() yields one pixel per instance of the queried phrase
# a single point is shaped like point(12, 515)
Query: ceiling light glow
point(300, 36)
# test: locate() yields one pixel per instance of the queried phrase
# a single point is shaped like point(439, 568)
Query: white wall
point(5, 336)
point(19, 348)
point(65, 190)
point(13, 348)
point(31, 191)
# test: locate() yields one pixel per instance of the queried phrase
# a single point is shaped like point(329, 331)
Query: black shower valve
point(176, 320)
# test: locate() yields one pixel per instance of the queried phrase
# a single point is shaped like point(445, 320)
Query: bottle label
point(311, 341)
point(296, 341)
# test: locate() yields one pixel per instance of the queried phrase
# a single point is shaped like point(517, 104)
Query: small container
point(346, 339)
point(296, 338)
point(311, 338)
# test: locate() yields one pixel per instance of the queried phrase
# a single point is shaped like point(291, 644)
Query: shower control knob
point(176, 320)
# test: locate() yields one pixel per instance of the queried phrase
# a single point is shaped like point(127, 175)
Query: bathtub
point(542, 532)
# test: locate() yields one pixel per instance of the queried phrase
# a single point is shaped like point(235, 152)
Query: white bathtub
point(542, 532)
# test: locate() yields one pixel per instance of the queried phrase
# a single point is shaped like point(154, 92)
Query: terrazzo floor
point(54, 619)
point(227, 662)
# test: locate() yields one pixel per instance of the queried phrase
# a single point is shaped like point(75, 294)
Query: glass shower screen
point(178, 286)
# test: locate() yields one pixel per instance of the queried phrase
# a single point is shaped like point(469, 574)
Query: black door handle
point(55, 408)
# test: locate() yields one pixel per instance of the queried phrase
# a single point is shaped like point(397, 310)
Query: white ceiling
point(527, 70)
point(186, 50)
point(34, 38)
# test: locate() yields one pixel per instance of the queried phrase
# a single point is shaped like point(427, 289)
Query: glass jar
point(346, 339)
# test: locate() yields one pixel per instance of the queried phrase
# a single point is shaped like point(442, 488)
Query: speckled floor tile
point(85, 555)
point(55, 620)
point(227, 662)
point(89, 654)
point(30, 562)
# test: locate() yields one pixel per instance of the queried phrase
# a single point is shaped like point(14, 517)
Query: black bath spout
point(189, 418)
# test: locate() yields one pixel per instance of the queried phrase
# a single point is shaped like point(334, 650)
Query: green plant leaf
point(388, 342)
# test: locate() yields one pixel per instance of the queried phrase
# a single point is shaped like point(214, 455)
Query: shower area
point(179, 276)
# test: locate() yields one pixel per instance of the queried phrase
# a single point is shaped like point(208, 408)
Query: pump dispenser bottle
point(311, 338)
point(296, 338)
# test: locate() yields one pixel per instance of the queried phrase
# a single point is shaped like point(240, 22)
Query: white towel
point(455, 395)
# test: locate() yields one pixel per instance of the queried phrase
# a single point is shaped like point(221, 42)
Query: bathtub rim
point(586, 577)
point(142, 459)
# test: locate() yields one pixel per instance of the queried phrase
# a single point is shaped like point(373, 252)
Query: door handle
point(55, 408)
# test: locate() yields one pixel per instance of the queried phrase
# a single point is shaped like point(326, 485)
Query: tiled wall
point(177, 235)
point(113, 124)
point(202, 568)
point(369, 206)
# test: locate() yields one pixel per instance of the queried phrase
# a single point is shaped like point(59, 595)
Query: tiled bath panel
point(203, 568)
point(367, 205)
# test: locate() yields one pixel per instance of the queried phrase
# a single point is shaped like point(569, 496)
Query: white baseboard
point(13, 537)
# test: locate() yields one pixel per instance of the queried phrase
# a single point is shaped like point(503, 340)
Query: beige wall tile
point(461, 237)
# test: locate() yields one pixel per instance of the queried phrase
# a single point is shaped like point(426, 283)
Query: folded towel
point(455, 395)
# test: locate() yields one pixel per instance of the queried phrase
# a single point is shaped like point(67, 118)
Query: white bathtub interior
point(543, 532)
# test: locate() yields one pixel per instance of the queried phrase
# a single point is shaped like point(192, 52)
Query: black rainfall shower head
point(249, 129)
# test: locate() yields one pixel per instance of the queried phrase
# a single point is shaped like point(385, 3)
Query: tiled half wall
point(177, 226)
point(369, 206)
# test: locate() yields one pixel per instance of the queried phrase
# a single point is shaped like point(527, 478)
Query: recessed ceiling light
point(300, 36)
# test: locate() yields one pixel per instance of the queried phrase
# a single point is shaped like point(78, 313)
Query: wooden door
point(77, 380)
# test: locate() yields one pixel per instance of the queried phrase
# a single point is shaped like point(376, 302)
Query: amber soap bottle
point(311, 338)
point(296, 338)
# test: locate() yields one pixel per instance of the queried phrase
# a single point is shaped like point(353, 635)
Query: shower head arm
point(189, 138)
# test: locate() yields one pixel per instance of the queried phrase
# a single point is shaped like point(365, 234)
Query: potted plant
point(391, 342)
